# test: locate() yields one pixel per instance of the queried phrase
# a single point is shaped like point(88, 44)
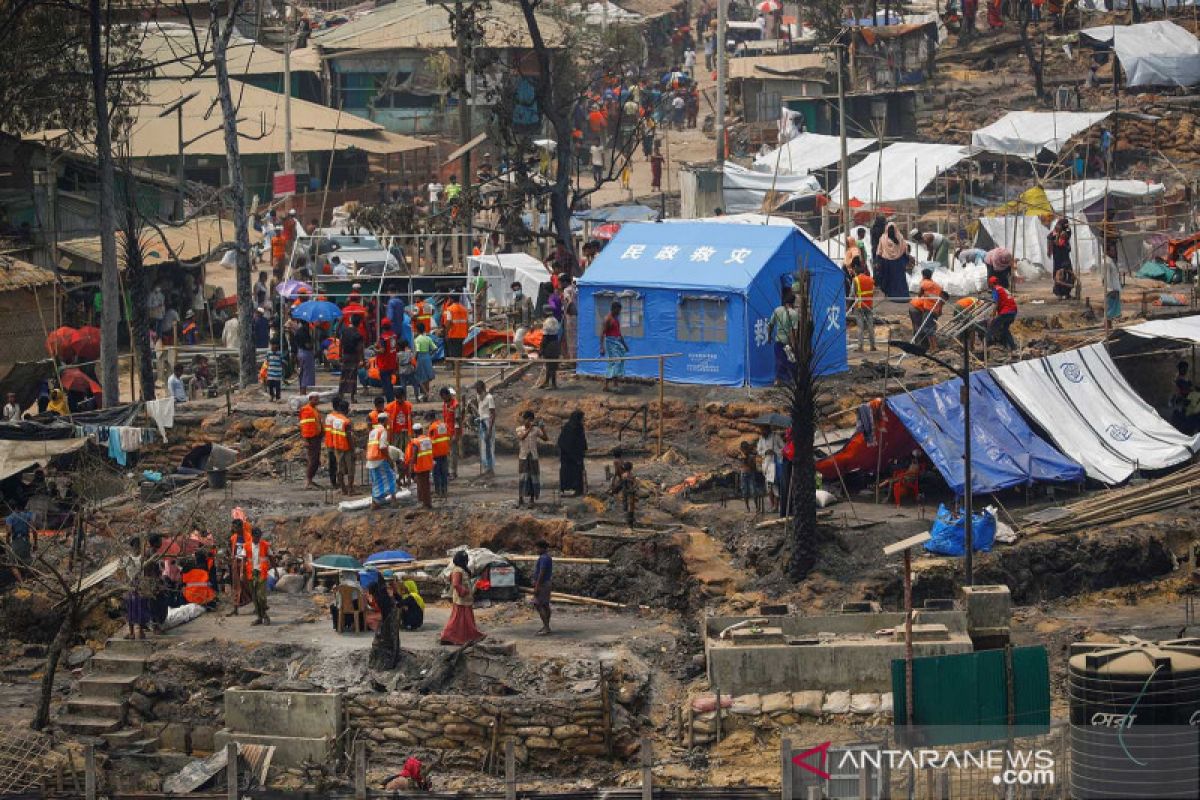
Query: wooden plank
point(195, 774)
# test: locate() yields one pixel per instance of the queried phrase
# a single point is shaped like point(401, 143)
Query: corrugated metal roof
point(193, 241)
point(175, 52)
point(775, 66)
point(18, 274)
point(650, 8)
point(416, 25)
point(261, 125)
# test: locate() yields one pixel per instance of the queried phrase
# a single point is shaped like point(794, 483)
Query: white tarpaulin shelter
point(18, 455)
point(1026, 133)
point(1023, 234)
point(1157, 53)
point(1082, 195)
point(502, 269)
point(808, 152)
point(1183, 329)
point(1093, 415)
point(745, 190)
point(900, 171)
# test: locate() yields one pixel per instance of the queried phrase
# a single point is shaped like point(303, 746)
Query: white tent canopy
point(1027, 133)
point(1093, 415)
point(900, 171)
point(1183, 329)
point(1158, 53)
point(1081, 195)
point(503, 269)
point(1024, 235)
point(746, 190)
point(807, 153)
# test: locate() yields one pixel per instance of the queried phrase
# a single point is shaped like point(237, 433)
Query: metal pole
point(969, 532)
point(360, 771)
point(465, 27)
point(647, 770)
point(842, 166)
point(908, 642)
point(231, 769)
point(510, 771)
point(661, 404)
point(785, 766)
point(287, 91)
point(89, 772)
point(179, 177)
point(722, 72)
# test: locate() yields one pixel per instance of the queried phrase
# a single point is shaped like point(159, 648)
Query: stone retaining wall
point(778, 710)
point(545, 729)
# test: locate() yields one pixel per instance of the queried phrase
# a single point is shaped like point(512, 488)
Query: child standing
point(275, 372)
point(751, 477)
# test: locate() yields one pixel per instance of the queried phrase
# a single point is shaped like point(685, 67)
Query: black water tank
point(1134, 715)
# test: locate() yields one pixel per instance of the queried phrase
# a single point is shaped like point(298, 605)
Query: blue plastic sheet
point(949, 533)
point(1005, 452)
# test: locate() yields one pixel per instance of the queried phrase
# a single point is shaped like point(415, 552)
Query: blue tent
point(1004, 450)
point(707, 290)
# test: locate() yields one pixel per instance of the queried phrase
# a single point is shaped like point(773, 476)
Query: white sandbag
point(778, 701)
point(885, 703)
point(1004, 532)
point(1029, 271)
point(363, 503)
point(836, 703)
point(808, 702)
point(746, 704)
point(824, 498)
point(178, 616)
point(290, 584)
point(865, 703)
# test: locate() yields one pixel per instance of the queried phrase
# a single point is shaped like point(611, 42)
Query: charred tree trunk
point(136, 281)
point(66, 630)
point(802, 500)
point(110, 288)
point(248, 371)
point(1035, 65)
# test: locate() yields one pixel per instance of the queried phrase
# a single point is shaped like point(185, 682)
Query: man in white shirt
point(689, 60)
point(156, 303)
point(12, 409)
point(435, 193)
point(229, 334)
point(597, 163)
point(175, 385)
point(339, 269)
point(487, 429)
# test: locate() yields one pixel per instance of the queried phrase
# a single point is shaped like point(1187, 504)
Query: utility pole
point(289, 31)
point(722, 18)
point(969, 528)
point(176, 108)
point(842, 163)
point(464, 20)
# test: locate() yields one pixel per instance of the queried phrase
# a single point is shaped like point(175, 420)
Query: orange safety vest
point(929, 298)
point(422, 312)
point(400, 416)
point(420, 454)
point(864, 290)
point(456, 321)
point(196, 588)
point(310, 423)
point(334, 351)
point(337, 431)
point(263, 561)
point(440, 434)
point(375, 447)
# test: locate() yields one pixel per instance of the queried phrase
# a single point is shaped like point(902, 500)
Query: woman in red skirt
point(460, 629)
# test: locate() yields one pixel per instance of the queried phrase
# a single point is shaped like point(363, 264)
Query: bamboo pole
point(661, 403)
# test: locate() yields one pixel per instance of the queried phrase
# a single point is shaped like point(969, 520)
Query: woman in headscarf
point(877, 229)
point(572, 447)
point(460, 628)
point(851, 261)
point(412, 606)
point(892, 274)
point(999, 263)
point(58, 404)
point(1059, 250)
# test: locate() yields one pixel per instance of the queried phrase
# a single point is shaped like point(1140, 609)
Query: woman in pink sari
point(460, 628)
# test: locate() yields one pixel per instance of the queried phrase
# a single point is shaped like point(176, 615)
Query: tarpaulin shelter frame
point(737, 268)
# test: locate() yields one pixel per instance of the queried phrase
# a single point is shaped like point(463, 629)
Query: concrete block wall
point(545, 729)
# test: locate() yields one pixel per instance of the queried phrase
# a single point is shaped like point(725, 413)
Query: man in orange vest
point(455, 321)
point(924, 310)
point(864, 306)
point(312, 433)
point(450, 417)
point(439, 434)
point(421, 314)
point(338, 433)
point(400, 413)
point(197, 587)
point(239, 539)
point(379, 464)
point(259, 561)
point(419, 460)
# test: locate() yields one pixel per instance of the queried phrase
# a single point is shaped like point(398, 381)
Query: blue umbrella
point(317, 311)
point(389, 557)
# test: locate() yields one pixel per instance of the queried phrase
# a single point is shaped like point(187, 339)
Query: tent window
point(632, 321)
point(702, 319)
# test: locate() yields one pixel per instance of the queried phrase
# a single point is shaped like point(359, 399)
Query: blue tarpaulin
point(1004, 450)
point(707, 291)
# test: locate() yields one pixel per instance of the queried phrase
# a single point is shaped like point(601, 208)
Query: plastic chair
point(349, 604)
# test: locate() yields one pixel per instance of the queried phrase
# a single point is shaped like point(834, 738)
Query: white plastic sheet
point(1158, 53)
point(502, 269)
point(1093, 415)
point(1024, 235)
point(745, 190)
point(808, 152)
point(1027, 133)
point(1082, 195)
point(1182, 329)
point(900, 171)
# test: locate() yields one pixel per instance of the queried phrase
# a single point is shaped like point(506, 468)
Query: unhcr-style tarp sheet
point(807, 153)
point(1093, 415)
point(1183, 329)
point(1004, 451)
point(503, 269)
point(1158, 53)
point(746, 190)
point(1026, 133)
point(900, 171)
point(1082, 195)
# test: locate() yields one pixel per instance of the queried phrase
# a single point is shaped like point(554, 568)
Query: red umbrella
point(76, 380)
point(60, 344)
point(606, 231)
point(87, 343)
